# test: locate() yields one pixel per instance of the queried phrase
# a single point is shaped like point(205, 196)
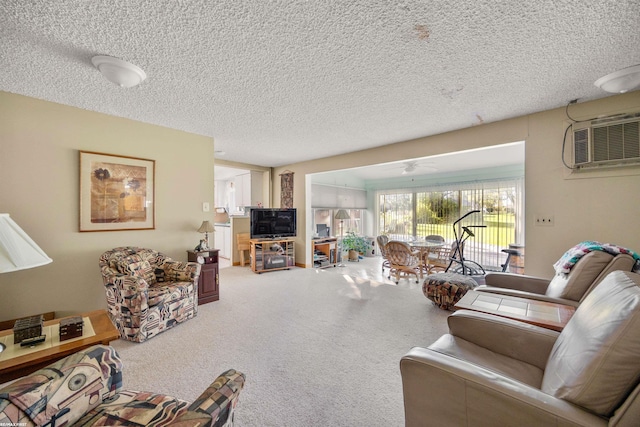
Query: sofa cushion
point(504, 365)
point(161, 275)
point(62, 392)
point(594, 363)
point(132, 408)
point(574, 285)
point(181, 271)
point(143, 270)
point(164, 293)
point(121, 261)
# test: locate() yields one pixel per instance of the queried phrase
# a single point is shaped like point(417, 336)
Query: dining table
point(425, 247)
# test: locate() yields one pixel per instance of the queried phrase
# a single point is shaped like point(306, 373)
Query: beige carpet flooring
point(318, 347)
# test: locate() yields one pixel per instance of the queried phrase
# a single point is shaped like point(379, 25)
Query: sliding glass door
point(417, 213)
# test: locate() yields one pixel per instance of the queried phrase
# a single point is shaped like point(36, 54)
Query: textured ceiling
point(277, 82)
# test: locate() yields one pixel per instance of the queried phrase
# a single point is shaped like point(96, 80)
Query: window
point(327, 217)
point(416, 213)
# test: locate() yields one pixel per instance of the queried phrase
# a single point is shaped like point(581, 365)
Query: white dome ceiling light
point(620, 81)
point(120, 72)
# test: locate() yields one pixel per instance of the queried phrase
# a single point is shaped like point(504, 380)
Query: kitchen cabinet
point(223, 240)
point(248, 189)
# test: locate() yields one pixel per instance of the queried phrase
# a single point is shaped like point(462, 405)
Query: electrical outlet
point(544, 220)
point(205, 206)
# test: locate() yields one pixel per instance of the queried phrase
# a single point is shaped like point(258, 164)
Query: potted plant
point(355, 245)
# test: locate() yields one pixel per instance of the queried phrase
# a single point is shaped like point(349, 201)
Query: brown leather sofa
point(493, 371)
point(569, 289)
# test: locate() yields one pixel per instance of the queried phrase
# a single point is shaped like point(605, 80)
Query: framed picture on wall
point(116, 192)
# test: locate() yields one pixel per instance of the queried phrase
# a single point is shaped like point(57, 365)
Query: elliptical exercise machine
point(457, 262)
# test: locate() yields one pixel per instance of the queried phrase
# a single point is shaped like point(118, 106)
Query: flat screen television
point(272, 223)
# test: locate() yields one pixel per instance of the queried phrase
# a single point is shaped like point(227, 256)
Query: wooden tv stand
point(272, 254)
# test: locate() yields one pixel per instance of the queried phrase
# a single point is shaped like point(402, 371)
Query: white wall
point(602, 206)
point(39, 182)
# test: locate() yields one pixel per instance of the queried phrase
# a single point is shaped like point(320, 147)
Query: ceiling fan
point(413, 165)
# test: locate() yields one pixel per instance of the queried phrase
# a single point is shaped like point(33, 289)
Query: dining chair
point(242, 241)
point(382, 241)
point(403, 260)
point(438, 259)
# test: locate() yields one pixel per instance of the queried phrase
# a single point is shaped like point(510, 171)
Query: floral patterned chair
point(148, 292)
point(85, 389)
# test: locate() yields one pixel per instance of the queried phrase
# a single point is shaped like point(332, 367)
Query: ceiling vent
point(608, 142)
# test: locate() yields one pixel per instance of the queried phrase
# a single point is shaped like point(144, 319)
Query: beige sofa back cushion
point(595, 363)
point(573, 285)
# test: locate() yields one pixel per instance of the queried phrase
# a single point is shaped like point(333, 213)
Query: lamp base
point(202, 246)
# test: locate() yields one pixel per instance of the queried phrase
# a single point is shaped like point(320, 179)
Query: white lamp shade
point(120, 72)
point(206, 227)
point(17, 250)
point(620, 81)
point(342, 214)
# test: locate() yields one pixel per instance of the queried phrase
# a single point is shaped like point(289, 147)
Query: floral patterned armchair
point(85, 389)
point(148, 292)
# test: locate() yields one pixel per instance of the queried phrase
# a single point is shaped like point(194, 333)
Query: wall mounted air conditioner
point(608, 142)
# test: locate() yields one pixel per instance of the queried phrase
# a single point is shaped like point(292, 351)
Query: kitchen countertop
point(231, 220)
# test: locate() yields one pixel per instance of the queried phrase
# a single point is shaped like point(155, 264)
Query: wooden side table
point(325, 252)
point(16, 367)
point(209, 281)
point(540, 313)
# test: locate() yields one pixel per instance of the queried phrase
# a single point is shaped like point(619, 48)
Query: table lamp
point(17, 250)
point(342, 215)
point(206, 228)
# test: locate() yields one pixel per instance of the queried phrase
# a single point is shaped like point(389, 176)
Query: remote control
point(33, 341)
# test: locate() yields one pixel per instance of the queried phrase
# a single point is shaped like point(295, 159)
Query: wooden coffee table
point(541, 313)
point(21, 365)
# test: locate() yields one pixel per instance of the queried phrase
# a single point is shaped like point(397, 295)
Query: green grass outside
point(496, 233)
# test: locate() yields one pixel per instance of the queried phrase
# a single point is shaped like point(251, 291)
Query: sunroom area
point(411, 200)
